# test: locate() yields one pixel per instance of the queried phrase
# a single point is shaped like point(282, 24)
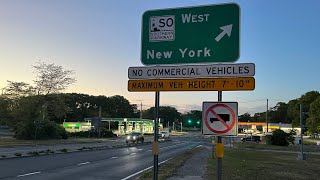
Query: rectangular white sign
point(220, 118)
point(192, 71)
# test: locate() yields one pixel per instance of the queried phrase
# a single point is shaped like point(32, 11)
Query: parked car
point(134, 137)
point(251, 138)
point(164, 135)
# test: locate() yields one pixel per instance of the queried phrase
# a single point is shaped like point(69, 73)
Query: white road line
point(139, 149)
point(132, 154)
point(114, 157)
point(150, 150)
point(132, 175)
point(29, 174)
point(83, 163)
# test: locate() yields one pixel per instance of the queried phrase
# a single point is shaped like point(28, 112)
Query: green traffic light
point(189, 121)
point(198, 122)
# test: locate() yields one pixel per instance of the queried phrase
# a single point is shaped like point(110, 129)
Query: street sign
point(202, 84)
point(201, 34)
point(192, 71)
point(220, 118)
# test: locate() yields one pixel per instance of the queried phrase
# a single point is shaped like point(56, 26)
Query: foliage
point(5, 115)
point(166, 114)
point(51, 78)
point(293, 112)
point(279, 113)
point(291, 135)
point(191, 118)
point(43, 129)
point(279, 137)
point(246, 117)
point(313, 122)
point(15, 90)
point(259, 117)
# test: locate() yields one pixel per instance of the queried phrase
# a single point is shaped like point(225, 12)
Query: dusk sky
point(100, 40)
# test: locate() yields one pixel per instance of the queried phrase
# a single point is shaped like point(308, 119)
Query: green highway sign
point(202, 34)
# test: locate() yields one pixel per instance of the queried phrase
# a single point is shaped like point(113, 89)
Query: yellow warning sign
point(200, 84)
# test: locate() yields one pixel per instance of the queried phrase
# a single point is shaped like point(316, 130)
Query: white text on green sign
point(202, 34)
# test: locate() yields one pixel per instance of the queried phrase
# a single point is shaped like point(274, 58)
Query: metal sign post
point(219, 170)
point(155, 148)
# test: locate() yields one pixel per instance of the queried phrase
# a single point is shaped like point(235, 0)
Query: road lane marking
point(132, 175)
point(29, 174)
point(150, 150)
point(132, 154)
point(139, 149)
point(115, 157)
point(83, 163)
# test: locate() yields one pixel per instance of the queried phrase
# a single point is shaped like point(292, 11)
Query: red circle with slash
point(228, 127)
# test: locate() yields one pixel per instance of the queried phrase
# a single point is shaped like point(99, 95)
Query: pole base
point(302, 157)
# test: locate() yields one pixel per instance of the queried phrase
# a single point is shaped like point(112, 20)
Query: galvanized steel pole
point(219, 170)
point(155, 157)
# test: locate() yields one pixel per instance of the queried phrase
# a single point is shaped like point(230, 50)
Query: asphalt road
point(118, 163)
point(25, 149)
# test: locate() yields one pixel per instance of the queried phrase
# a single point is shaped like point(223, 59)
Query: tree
point(279, 113)
point(191, 118)
point(39, 102)
point(246, 117)
point(313, 121)
point(51, 78)
point(293, 112)
point(15, 90)
point(166, 114)
point(5, 111)
point(259, 117)
point(307, 99)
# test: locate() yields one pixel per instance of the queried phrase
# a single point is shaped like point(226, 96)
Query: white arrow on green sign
point(202, 34)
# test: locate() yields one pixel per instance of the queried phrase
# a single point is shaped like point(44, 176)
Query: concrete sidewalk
point(195, 167)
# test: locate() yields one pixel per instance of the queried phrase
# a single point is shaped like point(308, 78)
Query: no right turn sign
point(220, 118)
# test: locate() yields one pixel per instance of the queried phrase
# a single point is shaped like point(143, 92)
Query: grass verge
point(169, 168)
point(248, 164)
point(253, 145)
point(11, 142)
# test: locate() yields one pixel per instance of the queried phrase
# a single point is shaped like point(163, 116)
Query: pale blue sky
point(100, 40)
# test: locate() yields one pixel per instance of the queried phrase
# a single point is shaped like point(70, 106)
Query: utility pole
point(181, 127)
point(99, 128)
point(267, 115)
point(141, 123)
point(301, 134)
point(141, 111)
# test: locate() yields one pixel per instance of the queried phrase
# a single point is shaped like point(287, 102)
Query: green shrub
point(63, 150)
point(44, 130)
point(17, 154)
point(279, 137)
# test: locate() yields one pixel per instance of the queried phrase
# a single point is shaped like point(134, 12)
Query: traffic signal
point(189, 121)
